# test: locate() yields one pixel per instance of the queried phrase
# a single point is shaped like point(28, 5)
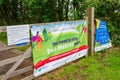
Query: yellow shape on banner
point(97, 23)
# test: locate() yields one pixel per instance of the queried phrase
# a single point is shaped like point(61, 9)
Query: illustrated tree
point(80, 28)
point(45, 34)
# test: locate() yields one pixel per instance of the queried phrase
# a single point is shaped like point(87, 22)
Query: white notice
point(18, 34)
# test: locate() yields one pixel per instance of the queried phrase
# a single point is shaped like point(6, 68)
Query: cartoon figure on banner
point(38, 40)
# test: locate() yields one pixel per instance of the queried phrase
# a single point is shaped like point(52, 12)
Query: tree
point(45, 34)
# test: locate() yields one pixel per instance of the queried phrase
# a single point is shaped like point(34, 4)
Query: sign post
point(91, 30)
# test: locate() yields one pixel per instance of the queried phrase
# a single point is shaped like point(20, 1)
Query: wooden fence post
point(91, 30)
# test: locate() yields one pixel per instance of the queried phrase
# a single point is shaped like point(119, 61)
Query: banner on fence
point(18, 35)
point(56, 44)
point(102, 40)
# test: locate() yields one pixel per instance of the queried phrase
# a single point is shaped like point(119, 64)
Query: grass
point(3, 37)
point(23, 48)
point(104, 65)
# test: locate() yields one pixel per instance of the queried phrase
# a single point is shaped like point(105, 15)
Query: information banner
point(56, 44)
point(18, 34)
point(102, 40)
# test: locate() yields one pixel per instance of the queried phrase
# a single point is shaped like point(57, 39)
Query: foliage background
point(13, 12)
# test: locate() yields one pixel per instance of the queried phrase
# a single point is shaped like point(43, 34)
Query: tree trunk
point(67, 10)
point(60, 9)
point(14, 10)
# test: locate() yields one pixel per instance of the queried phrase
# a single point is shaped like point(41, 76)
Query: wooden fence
point(13, 71)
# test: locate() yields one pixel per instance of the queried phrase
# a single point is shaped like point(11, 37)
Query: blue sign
point(102, 36)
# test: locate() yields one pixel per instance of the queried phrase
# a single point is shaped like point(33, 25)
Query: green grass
point(104, 65)
point(23, 48)
point(3, 37)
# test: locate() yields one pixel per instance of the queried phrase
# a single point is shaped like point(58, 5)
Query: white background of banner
point(55, 64)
